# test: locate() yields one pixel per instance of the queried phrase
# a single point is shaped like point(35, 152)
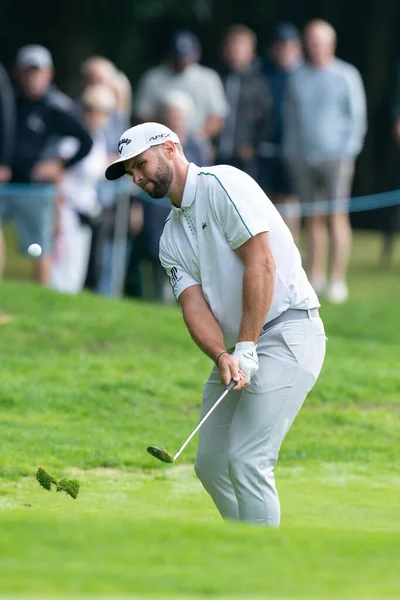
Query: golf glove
point(246, 354)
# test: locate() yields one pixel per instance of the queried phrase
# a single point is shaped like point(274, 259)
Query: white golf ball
point(35, 250)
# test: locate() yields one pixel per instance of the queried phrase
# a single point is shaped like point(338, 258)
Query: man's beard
point(162, 179)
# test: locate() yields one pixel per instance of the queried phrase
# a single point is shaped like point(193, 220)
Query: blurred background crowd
point(291, 113)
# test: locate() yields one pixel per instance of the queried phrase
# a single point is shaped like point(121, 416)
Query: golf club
point(165, 456)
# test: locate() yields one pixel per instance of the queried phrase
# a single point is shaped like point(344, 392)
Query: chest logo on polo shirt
point(35, 123)
point(203, 225)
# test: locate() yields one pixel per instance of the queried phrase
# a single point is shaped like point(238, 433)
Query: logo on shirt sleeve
point(175, 279)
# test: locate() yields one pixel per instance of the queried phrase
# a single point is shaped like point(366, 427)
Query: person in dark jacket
point(42, 114)
point(284, 58)
point(249, 121)
point(390, 216)
point(7, 125)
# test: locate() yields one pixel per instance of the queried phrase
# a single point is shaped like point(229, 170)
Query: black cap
point(285, 32)
point(184, 44)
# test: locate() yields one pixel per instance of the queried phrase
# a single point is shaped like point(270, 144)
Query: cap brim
point(117, 168)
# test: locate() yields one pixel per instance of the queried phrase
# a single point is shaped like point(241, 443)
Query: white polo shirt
point(202, 84)
point(222, 207)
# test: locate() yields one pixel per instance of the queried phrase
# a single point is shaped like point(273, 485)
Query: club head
point(160, 453)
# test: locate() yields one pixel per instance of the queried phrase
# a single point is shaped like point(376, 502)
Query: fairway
point(87, 383)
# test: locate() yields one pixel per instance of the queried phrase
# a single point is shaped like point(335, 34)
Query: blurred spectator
point(124, 96)
point(249, 121)
point(284, 58)
point(7, 125)
point(324, 129)
point(182, 71)
point(98, 70)
point(148, 217)
point(41, 114)
point(7, 140)
point(79, 190)
point(396, 109)
point(391, 214)
point(175, 111)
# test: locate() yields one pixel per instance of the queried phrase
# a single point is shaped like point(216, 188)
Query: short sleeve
point(240, 206)
point(178, 275)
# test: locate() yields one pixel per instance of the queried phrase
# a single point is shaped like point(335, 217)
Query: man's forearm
point(204, 329)
point(258, 287)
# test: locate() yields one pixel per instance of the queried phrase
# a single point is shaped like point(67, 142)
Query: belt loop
point(309, 313)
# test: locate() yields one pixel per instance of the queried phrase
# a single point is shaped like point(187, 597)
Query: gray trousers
point(328, 180)
point(240, 442)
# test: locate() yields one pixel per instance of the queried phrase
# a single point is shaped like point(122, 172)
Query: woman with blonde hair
point(80, 194)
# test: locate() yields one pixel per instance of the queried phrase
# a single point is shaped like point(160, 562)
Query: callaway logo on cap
point(121, 143)
point(136, 140)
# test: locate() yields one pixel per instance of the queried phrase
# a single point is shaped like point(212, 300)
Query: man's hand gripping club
point(240, 366)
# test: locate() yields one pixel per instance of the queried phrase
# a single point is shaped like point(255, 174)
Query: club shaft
point(208, 413)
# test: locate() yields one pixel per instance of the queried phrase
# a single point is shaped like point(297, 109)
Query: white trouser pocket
point(294, 336)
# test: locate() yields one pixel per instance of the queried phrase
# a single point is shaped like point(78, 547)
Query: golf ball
point(35, 250)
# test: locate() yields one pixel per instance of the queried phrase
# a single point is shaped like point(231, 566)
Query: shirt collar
point(189, 191)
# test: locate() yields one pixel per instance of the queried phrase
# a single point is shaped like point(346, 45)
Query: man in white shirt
point(247, 303)
point(182, 72)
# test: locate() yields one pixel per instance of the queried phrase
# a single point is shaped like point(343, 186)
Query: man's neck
point(323, 64)
point(175, 193)
point(239, 69)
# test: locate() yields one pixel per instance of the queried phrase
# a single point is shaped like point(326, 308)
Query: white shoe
point(318, 284)
point(337, 291)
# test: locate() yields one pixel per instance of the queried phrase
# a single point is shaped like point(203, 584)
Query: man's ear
point(169, 148)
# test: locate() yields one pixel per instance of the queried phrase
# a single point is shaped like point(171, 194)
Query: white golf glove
point(246, 354)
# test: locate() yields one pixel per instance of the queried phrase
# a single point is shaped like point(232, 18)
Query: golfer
point(248, 305)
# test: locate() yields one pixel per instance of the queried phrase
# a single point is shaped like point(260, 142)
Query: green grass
point(87, 383)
